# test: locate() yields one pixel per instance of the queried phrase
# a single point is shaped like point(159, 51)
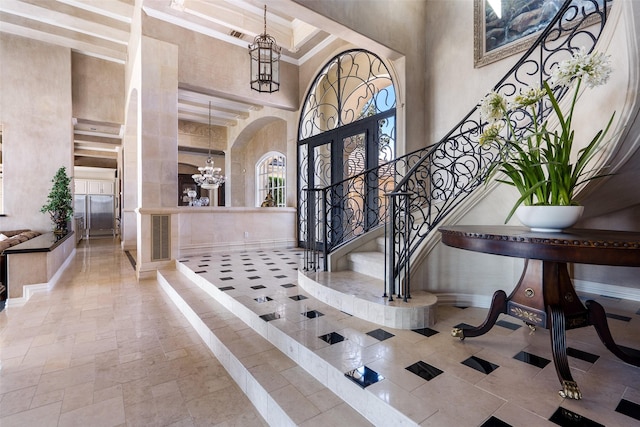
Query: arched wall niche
point(261, 136)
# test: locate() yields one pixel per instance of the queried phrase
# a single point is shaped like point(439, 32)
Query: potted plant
point(537, 158)
point(60, 202)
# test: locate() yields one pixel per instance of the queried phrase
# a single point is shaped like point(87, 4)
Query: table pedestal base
point(545, 297)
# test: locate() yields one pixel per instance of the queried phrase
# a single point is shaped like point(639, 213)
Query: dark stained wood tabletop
point(583, 246)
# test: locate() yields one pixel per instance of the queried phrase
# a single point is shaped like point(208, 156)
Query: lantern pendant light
point(265, 61)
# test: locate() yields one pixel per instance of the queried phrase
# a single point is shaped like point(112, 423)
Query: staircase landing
point(362, 296)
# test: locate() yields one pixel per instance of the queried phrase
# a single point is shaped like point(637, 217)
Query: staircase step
point(268, 376)
point(369, 263)
point(362, 296)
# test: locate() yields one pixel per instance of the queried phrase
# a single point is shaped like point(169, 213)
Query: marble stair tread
point(368, 288)
point(363, 296)
point(370, 263)
point(281, 391)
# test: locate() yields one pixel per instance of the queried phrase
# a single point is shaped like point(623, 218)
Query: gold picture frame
point(495, 37)
point(498, 37)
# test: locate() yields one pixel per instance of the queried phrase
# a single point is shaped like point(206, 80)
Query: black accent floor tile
point(292, 263)
point(269, 263)
point(424, 370)
point(200, 271)
point(631, 351)
point(364, 376)
point(508, 325)
point(250, 270)
point(618, 317)
point(226, 288)
point(380, 334)
point(248, 263)
point(203, 265)
point(256, 287)
point(495, 422)
point(274, 269)
point(463, 326)
point(298, 297)
point(281, 276)
point(253, 277)
point(225, 265)
point(332, 338)
point(226, 278)
point(427, 332)
point(582, 355)
point(628, 408)
point(480, 365)
point(263, 299)
point(226, 271)
point(270, 316)
point(312, 314)
point(566, 418)
point(288, 285)
point(532, 359)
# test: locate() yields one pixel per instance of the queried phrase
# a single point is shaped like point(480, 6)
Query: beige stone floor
point(102, 349)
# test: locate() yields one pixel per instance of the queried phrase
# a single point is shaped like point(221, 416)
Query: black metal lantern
point(265, 61)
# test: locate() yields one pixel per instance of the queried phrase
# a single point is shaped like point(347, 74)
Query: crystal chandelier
point(209, 177)
point(265, 61)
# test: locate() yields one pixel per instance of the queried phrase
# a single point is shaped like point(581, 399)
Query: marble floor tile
point(101, 342)
point(102, 349)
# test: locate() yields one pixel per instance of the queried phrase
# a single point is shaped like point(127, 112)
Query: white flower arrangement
point(535, 159)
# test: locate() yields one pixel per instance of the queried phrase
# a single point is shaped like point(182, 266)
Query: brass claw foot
point(457, 333)
point(570, 389)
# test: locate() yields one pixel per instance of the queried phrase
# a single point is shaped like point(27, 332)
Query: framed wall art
point(505, 27)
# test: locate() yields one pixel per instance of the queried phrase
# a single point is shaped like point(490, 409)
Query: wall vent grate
point(160, 237)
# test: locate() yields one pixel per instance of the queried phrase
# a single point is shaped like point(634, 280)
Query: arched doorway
point(347, 126)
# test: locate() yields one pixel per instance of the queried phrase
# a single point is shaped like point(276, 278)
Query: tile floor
point(101, 349)
point(503, 378)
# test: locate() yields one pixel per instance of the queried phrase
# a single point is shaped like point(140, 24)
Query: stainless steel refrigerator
point(97, 213)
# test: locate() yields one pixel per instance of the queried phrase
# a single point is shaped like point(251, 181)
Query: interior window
point(271, 185)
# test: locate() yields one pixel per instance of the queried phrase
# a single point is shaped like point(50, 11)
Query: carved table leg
point(598, 318)
point(498, 305)
point(559, 350)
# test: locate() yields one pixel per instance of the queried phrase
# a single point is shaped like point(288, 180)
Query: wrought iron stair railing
point(352, 207)
point(417, 191)
point(458, 164)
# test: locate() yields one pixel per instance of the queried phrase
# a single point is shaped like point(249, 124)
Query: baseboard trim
point(613, 291)
point(581, 286)
point(190, 250)
point(29, 290)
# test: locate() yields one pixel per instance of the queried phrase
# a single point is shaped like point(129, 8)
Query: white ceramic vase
point(549, 218)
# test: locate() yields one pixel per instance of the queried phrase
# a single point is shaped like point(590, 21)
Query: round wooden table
point(545, 296)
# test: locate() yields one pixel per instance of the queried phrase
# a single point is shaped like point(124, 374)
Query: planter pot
point(549, 218)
